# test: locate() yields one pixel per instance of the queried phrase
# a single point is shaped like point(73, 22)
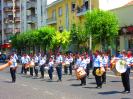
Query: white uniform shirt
point(83, 64)
point(87, 60)
point(97, 61)
point(36, 59)
point(50, 64)
point(14, 62)
point(67, 61)
point(42, 61)
point(78, 61)
point(105, 60)
point(70, 59)
point(59, 59)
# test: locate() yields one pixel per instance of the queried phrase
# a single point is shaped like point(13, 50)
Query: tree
point(102, 26)
point(60, 40)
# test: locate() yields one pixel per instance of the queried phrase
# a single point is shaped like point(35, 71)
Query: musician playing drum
point(83, 64)
point(97, 65)
point(125, 76)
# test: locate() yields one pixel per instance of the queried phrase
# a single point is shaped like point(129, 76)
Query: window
point(73, 7)
point(60, 11)
point(53, 14)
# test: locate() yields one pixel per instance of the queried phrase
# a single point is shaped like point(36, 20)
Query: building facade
point(33, 14)
point(0, 23)
point(61, 14)
point(10, 19)
point(125, 17)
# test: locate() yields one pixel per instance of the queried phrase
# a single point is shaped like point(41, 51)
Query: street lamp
point(90, 33)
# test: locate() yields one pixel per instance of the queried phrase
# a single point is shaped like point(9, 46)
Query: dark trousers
point(59, 71)
point(22, 69)
point(50, 72)
point(88, 69)
point(65, 70)
point(104, 76)
point(83, 81)
point(25, 69)
point(31, 71)
point(126, 80)
point(42, 71)
point(70, 69)
point(97, 78)
point(36, 69)
point(13, 74)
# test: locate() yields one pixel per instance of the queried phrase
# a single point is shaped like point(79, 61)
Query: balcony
point(17, 30)
point(17, 8)
point(8, 20)
point(17, 19)
point(8, 30)
point(81, 11)
point(31, 19)
point(51, 21)
point(31, 4)
point(8, 9)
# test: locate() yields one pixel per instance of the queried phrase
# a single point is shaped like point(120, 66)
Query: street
point(30, 88)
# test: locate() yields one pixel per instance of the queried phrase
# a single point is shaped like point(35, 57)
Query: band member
point(22, 62)
point(50, 71)
point(70, 58)
point(13, 68)
point(42, 65)
point(88, 65)
point(65, 60)
point(83, 64)
point(125, 76)
point(59, 66)
point(97, 63)
point(36, 67)
point(105, 61)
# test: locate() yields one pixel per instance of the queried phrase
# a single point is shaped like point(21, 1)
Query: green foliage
point(60, 39)
point(44, 37)
point(102, 25)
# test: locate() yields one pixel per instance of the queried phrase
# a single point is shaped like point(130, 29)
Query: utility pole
point(90, 33)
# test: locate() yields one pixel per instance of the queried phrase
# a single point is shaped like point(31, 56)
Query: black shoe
point(126, 92)
point(99, 87)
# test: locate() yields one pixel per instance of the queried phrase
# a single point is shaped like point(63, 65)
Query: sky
point(50, 1)
point(105, 4)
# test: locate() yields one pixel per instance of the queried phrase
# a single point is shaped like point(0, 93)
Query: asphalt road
point(30, 88)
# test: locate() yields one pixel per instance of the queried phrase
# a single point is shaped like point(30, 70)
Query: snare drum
point(80, 73)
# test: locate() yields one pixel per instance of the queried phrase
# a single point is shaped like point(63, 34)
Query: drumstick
point(5, 65)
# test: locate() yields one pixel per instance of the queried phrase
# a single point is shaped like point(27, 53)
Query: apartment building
point(10, 19)
point(33, 14)
point(61, 14)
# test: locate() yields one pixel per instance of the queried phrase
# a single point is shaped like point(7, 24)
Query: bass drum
point(121, 66)
point(80, 73)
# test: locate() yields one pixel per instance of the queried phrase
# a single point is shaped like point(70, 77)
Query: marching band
point(80, 63)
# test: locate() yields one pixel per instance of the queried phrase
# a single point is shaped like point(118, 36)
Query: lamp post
point(90, 33)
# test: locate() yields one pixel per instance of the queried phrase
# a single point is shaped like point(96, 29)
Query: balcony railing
point(8, 30)
point(8, 20)
point(31, 4)
point(17, 8)
point(17, 30)
point(8, 9)
point(17, 19)
point(82, 10)
point(31, 19)
point(51, 20)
